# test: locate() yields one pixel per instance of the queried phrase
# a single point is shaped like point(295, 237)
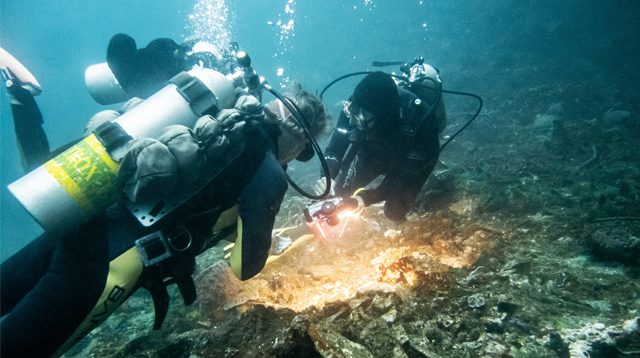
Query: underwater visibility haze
point(524, 242)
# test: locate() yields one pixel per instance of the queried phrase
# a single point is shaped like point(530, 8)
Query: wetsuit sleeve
point(408, 173)
point(31, 138)
point(337, 145)
point(258, 205)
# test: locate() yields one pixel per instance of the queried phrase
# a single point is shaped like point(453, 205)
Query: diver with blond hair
point(63, 284)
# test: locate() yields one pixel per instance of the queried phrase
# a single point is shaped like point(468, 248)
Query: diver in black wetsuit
point(33, 145)
point(141, 72)
point(59, 287)
point(391, 132)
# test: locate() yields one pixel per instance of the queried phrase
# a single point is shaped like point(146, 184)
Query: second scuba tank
point(81, 182)
point(103, 85)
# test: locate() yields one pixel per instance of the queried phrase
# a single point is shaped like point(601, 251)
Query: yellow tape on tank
point(87, 174)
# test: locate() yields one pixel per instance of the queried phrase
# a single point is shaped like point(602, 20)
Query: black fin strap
point(177, 270)
point(180, 270)
point(160, 297)
point(187, 289)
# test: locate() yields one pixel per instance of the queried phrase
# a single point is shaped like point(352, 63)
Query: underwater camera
point(329, 210)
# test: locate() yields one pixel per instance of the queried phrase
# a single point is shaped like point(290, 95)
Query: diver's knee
point(395, 211)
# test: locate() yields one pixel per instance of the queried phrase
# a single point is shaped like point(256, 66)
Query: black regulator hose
point(342, 78)
point(387, 63)
point(475, 115)
point(302, 122)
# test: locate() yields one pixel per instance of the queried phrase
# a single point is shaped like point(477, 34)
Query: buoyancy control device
point(80, 182)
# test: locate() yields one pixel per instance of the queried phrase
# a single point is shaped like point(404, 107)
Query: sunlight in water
point(285, 29)
point(211, 21)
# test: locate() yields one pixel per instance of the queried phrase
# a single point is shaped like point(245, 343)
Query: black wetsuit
point(51, 286)
point(403, 149)
point(142, 72)
point(32, 140)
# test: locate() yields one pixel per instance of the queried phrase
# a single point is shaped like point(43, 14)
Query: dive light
point(327, 210)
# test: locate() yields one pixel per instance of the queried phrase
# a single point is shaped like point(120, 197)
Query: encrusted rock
point(616, 243)
point(330, 343)
point(599, 340)
point(616, 115)
point(494, 325)
point(475, 301)
point(495, 349)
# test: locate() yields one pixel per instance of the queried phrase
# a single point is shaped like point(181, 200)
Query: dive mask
point(358, 117)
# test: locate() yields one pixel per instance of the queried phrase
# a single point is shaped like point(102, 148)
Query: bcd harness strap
point(112, 136)
point(200, 98)
point(415, 111)
point(164, 265)
point(170, 258)
point(414, 114)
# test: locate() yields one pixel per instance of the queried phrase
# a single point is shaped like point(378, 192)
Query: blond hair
point(315, 115)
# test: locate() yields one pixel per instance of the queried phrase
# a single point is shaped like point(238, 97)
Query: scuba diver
point(64, 283)
point(22, 87)
point(140, 72)
point(385, 129)
point(130, 74)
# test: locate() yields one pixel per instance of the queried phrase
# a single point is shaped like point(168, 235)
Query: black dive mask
point(306, 154)
point(361, 118)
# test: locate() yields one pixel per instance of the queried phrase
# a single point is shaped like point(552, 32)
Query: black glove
point(18, 92)
point(353, 202)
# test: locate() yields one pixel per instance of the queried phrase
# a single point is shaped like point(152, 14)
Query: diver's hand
point(248, 104)
point(321, 185)
point(354, 202)
point(229, 115)
point(19, 92)
point(17, 77)
point(100, 118)
point(279, 242)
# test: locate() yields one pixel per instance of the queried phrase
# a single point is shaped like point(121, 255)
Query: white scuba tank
point(80, 182)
